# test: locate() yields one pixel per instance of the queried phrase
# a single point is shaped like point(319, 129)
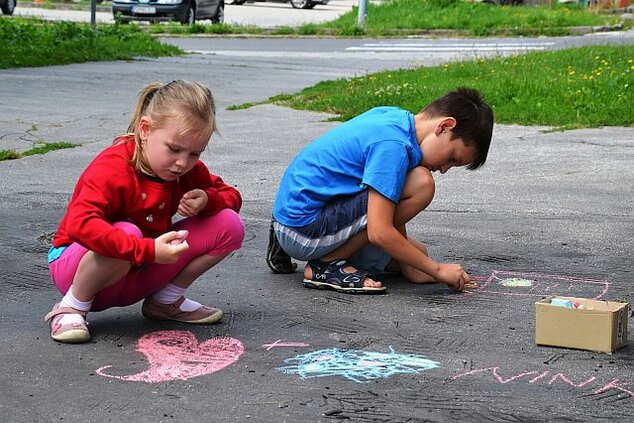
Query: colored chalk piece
point(561, 302)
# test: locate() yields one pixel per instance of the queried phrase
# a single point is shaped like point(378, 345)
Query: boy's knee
point(420, 185)
point(129, 228)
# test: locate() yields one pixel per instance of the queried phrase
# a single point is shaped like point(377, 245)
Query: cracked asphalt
point(553, 208)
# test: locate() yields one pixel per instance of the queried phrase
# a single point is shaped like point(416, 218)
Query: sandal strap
point(332, 272)
point(64, 310)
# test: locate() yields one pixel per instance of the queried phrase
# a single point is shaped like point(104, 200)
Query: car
point(297, 4)
point(7, 6)
point(184, 11)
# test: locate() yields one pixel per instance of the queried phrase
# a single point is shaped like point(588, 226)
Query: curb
point(63, 6)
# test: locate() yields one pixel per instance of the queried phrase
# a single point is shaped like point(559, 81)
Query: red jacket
point(110, 190)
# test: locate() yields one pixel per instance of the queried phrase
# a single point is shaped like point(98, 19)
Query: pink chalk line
point(572, 280)
point(278, 343)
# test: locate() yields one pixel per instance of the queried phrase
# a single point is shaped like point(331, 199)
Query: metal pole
point(93, 14)
point(362, 13)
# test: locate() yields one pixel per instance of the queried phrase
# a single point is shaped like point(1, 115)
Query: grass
point(481, 19)
point(32, 42)
point(574, 88)
point(403, 17)
point(40, 149)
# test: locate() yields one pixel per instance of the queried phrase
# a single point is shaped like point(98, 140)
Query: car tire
point(302, 4)
point(190, 16)
point(8, 7)
point(220, 15)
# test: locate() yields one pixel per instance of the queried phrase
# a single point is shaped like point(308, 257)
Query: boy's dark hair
point(474, 120)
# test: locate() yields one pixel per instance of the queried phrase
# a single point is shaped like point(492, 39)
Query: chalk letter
point(565, 379)
point(494, 371)
point(613, 384)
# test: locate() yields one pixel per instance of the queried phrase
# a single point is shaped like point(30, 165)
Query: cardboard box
point(597, 326)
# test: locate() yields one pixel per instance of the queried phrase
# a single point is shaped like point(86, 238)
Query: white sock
point(189, 305)
point(171, 293)
point(69, 300)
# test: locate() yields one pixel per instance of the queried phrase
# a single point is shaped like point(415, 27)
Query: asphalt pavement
point(552, 209)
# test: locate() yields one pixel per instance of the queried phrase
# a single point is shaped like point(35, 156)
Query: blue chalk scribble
point(356, 365)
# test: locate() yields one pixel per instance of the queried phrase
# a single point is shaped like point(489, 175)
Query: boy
point(343, 202)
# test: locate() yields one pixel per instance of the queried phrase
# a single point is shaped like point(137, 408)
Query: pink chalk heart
point(177, 355)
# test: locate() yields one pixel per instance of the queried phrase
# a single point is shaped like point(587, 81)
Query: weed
point(42, 148)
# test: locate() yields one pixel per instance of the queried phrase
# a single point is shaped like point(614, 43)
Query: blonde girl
point(116, 245)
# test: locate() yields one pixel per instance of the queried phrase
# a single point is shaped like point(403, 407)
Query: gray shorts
point(340, 220)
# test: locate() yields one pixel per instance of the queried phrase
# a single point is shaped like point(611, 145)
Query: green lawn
point(405, 16)
point(581, 87)
point(31, 42)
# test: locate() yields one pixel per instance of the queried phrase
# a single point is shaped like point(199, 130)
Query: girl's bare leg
point(95, 273)
point(195, 268)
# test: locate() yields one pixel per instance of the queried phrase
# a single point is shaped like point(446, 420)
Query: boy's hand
point(192, 202)
point(453, 275)
point(169, 247)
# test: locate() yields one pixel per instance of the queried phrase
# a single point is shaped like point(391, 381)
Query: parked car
point(7, 6)
point(184, 11)
point(297, 4)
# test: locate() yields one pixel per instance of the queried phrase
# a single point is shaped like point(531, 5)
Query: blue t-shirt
point(377, 149)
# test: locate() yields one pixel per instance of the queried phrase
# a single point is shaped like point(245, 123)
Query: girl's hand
point(169, 247)
point(453, 275)
point(192, 203)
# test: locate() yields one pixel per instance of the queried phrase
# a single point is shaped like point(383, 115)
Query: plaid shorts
point(340, 220)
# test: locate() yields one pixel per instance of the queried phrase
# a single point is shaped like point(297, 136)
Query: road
point(260, 14)
point(551, 208)
point(354, 56)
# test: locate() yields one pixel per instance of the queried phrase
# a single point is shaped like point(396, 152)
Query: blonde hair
point(189, 104)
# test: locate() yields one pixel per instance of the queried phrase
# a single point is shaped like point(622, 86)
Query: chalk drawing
point(539, 375)
point(279, 343)
point(177, 355)
point(526, 284)
point(356, 365)
point(516, 282)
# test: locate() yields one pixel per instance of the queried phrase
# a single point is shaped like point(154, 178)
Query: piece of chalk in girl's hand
point(182, 235)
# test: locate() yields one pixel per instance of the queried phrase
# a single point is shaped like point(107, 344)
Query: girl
point(117, 245)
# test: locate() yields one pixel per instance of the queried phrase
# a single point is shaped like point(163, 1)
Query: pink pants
point(219, 234)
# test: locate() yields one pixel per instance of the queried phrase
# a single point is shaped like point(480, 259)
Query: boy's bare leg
point(418, 192)
point(411, 273)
